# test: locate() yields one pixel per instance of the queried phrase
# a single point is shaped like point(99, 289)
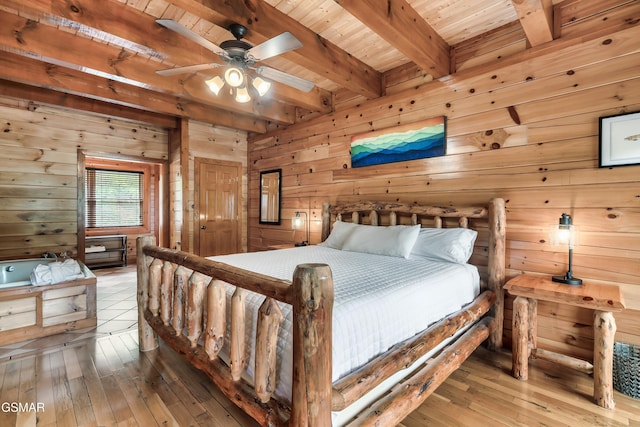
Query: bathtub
point(16, 272)
point(28, 312)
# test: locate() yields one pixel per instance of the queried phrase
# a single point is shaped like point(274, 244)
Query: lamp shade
point(261, 85)
point(564, 233)
point(234, 77)
point(242, 95)
point(215, 84)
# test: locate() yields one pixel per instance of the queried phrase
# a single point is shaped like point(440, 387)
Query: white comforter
point(379, 300)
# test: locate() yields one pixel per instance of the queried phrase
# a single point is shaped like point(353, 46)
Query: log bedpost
point(146, 335)
point(312, 357)
point(497, 237)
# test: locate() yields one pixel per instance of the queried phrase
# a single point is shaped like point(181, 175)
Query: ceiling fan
point(239, 56)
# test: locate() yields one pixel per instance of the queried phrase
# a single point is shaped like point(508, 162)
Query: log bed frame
point(182, 299)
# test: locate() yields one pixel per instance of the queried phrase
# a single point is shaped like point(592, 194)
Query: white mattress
point(379, 301)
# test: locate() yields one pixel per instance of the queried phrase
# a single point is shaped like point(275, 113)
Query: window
point(114, 198)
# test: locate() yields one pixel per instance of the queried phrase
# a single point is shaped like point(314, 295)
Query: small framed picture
point(620, 140)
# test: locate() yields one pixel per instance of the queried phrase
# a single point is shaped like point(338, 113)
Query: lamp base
point(567, 280)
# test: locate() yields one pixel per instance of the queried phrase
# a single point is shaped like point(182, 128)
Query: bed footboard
point(182, 299)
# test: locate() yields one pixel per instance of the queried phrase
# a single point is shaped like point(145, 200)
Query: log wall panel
point(38, 172)
point(525, 129)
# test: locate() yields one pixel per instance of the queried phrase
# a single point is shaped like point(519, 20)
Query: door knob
point(203, 227)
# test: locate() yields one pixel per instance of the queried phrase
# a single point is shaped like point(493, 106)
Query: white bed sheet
point(379, 301)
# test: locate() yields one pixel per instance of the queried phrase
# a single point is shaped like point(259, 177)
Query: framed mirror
point(270, 187)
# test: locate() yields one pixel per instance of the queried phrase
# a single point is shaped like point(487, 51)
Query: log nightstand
point(604, 299)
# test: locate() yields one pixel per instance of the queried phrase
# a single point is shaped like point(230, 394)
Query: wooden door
point(218, 195)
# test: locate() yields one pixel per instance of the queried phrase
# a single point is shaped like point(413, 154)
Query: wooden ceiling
point(108, 51)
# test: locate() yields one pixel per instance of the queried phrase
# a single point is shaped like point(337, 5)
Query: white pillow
point(341, 230)
point(445, 244)
point(396, 240)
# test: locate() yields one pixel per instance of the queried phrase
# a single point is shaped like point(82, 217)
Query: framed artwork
point(409, 142)
point(620, 140)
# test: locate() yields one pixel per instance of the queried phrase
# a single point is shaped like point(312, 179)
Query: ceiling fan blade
point(273, 47)
point(184, 31)
point(187, 69)
point(285, 78)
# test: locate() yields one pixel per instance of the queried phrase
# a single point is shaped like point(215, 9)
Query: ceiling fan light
point(234, 77)
point(215, 84)
point(242, 95)
point(261, 85)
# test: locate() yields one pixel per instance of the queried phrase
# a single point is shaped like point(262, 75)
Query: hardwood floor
point(97, 377)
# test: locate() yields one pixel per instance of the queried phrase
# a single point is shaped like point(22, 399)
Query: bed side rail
point(402, 355)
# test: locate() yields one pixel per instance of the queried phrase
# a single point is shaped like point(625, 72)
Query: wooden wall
point(39, 171)
point(524, 128)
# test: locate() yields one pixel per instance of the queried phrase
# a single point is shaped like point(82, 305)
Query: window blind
point(113, 198)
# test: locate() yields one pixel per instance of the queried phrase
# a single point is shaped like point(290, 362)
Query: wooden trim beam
point(536, 18)
point(399, 24)
point(76, 102)
point(66, 87)
point(265, 21)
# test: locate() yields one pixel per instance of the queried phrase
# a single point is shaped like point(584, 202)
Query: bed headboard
point(489, 221)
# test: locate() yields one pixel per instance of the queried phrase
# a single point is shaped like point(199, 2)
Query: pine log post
point(216, 318)
point(166, 292)
point(238, 327)
point(520, 331)
point(146, 335)
point(195, 301)
point(155, 277)
point(496, 267)
point(312, 357)
point(269, 317)
point(326, 221)
point(180, 283)
point(604, 331)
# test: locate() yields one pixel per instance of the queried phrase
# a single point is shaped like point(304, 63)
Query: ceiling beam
point(316, 54)
point(124, 26)
point(36, 40)
point(536, 18)
point(67, 100)
point(399, 24)
point(68, 81)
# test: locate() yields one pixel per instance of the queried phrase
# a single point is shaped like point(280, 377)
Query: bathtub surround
point(28, 311)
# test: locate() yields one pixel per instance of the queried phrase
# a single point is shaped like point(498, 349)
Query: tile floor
point(116, 312)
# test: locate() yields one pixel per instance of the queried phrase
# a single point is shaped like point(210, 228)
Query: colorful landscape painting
point(408, 142)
